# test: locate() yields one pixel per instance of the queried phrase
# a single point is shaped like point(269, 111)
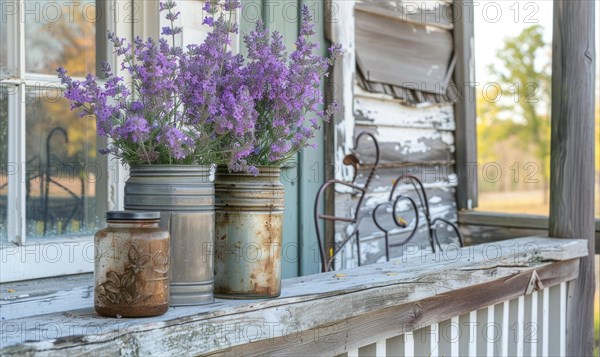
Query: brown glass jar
point(131, 271)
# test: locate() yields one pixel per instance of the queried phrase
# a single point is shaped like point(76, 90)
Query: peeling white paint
point(435, 199)
point(391, 112)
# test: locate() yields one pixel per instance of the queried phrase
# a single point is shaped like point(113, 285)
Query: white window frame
point(21, 259)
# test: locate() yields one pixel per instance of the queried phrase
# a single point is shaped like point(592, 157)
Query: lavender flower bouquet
point(181, 107)
point(287, 92)
point(205, 104)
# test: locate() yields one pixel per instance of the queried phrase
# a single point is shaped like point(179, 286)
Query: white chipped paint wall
point(413, 139)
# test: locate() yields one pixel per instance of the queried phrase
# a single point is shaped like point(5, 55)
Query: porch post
point(572, 156)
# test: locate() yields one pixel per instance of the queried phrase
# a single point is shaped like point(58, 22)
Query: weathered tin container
point(249, 222)
point(185, 197)
point(131, 266)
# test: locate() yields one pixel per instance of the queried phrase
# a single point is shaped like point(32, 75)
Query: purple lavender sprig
point(204, 104)
point(287, 92)
point(182, 107)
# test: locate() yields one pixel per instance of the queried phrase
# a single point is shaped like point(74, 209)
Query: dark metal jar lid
point(131, 215)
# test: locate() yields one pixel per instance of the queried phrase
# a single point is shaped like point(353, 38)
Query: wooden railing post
point(572, 156)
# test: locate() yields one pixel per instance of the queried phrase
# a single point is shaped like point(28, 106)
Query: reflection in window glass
point(61, 167)
point(4, 70)
point(3, 162)
point(60, 33)
point(513, 72)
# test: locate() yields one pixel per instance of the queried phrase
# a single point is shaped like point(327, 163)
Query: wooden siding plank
point(442, 205)
point(387, 298)
point(426, 53)
point(432, 175)
point(408, 145)
point(391, 113)
point(432, 13)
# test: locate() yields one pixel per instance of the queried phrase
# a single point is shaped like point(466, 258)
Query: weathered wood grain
point(339, 137)
point(376, 301)
point(388, 323)
point(382, 112)
point(431, 174)
point(45, 296)
point(441, 201)
point(426, 53)
point(572, 156)
point(408, 96)
point(466, 128)
point(485, 227)
point(408, 145)
point(433, 13)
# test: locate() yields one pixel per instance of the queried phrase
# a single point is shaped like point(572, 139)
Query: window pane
point(3, 162)
point(4, 37)
point(60, 33)
point(61, 167)
point(513, 71)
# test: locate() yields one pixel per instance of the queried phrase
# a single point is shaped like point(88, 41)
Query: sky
point(497, 20)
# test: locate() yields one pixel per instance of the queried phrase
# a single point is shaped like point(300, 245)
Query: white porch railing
point(505, 298)
point(530, 325)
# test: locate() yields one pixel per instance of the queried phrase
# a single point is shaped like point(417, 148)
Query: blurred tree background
point(513, 127)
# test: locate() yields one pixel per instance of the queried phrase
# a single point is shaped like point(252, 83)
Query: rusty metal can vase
point(184, 195)
point(249, 228)
point(131, 266)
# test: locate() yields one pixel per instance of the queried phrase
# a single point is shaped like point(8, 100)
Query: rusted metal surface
point(249, 226)
point(185, 197)
point(131, 268)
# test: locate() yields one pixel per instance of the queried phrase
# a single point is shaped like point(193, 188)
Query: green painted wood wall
point(302, 177)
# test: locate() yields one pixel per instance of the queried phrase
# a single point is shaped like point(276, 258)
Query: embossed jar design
point(184, 195)
point(131, 266)
point(249, 227)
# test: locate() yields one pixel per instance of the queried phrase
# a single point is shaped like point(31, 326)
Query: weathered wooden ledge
point(328, 313)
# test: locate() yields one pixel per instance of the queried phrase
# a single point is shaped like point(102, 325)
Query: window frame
point(20, 258)
point(466, 139)
point(464, 108)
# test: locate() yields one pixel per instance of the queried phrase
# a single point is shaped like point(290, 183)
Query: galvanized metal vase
point(249, 226)
point(184, 195)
